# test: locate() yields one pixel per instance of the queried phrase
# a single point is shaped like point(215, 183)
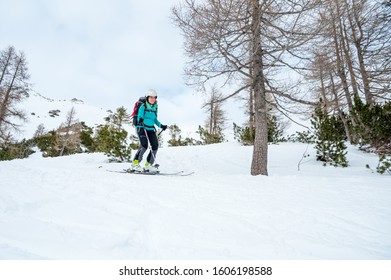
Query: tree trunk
point(211, 117)
point(259, 162)
point(355, 22)
point(340, 62)
point(251, 114)
point(339, 110)
point(349, 62)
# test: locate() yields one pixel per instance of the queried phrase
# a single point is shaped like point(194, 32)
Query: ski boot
point(151, 168)
point(135, 167)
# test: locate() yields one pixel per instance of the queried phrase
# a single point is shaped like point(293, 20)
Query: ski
point(179, 173)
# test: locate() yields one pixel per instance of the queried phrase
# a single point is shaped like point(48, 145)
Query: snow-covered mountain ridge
point(51, 113)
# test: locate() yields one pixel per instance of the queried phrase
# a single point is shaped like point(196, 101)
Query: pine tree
point(111, 138)
point(373, 125)
point(246, 135)
point(86, 137)
point(176, 138)
point(209, 138)
point(330, 144)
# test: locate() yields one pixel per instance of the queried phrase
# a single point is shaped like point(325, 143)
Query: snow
point(38, 108)
point(72, 208)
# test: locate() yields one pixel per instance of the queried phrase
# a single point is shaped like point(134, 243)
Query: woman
point(146, 121)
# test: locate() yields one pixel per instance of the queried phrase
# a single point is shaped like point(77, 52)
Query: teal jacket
point(148, 113)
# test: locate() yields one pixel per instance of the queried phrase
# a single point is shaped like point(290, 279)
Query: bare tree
point(351, 59)
point(68, 135)
point(360, 32)
point(244, 43)
point(13, 89)
point(213, 106)
point(40, 131)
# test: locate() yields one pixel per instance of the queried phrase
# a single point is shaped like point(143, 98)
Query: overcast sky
point(105, 52)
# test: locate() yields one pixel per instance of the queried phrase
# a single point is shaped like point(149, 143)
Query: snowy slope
point(38, 108)
point(72, 208)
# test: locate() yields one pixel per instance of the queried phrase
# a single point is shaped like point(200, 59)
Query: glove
point(141, 122)
point(164, 127)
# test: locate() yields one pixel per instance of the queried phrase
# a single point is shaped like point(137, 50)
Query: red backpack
point(137, 105)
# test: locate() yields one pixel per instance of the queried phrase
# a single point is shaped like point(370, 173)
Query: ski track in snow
point(71, 208)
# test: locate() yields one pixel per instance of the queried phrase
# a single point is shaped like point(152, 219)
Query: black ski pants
point(143, 136)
